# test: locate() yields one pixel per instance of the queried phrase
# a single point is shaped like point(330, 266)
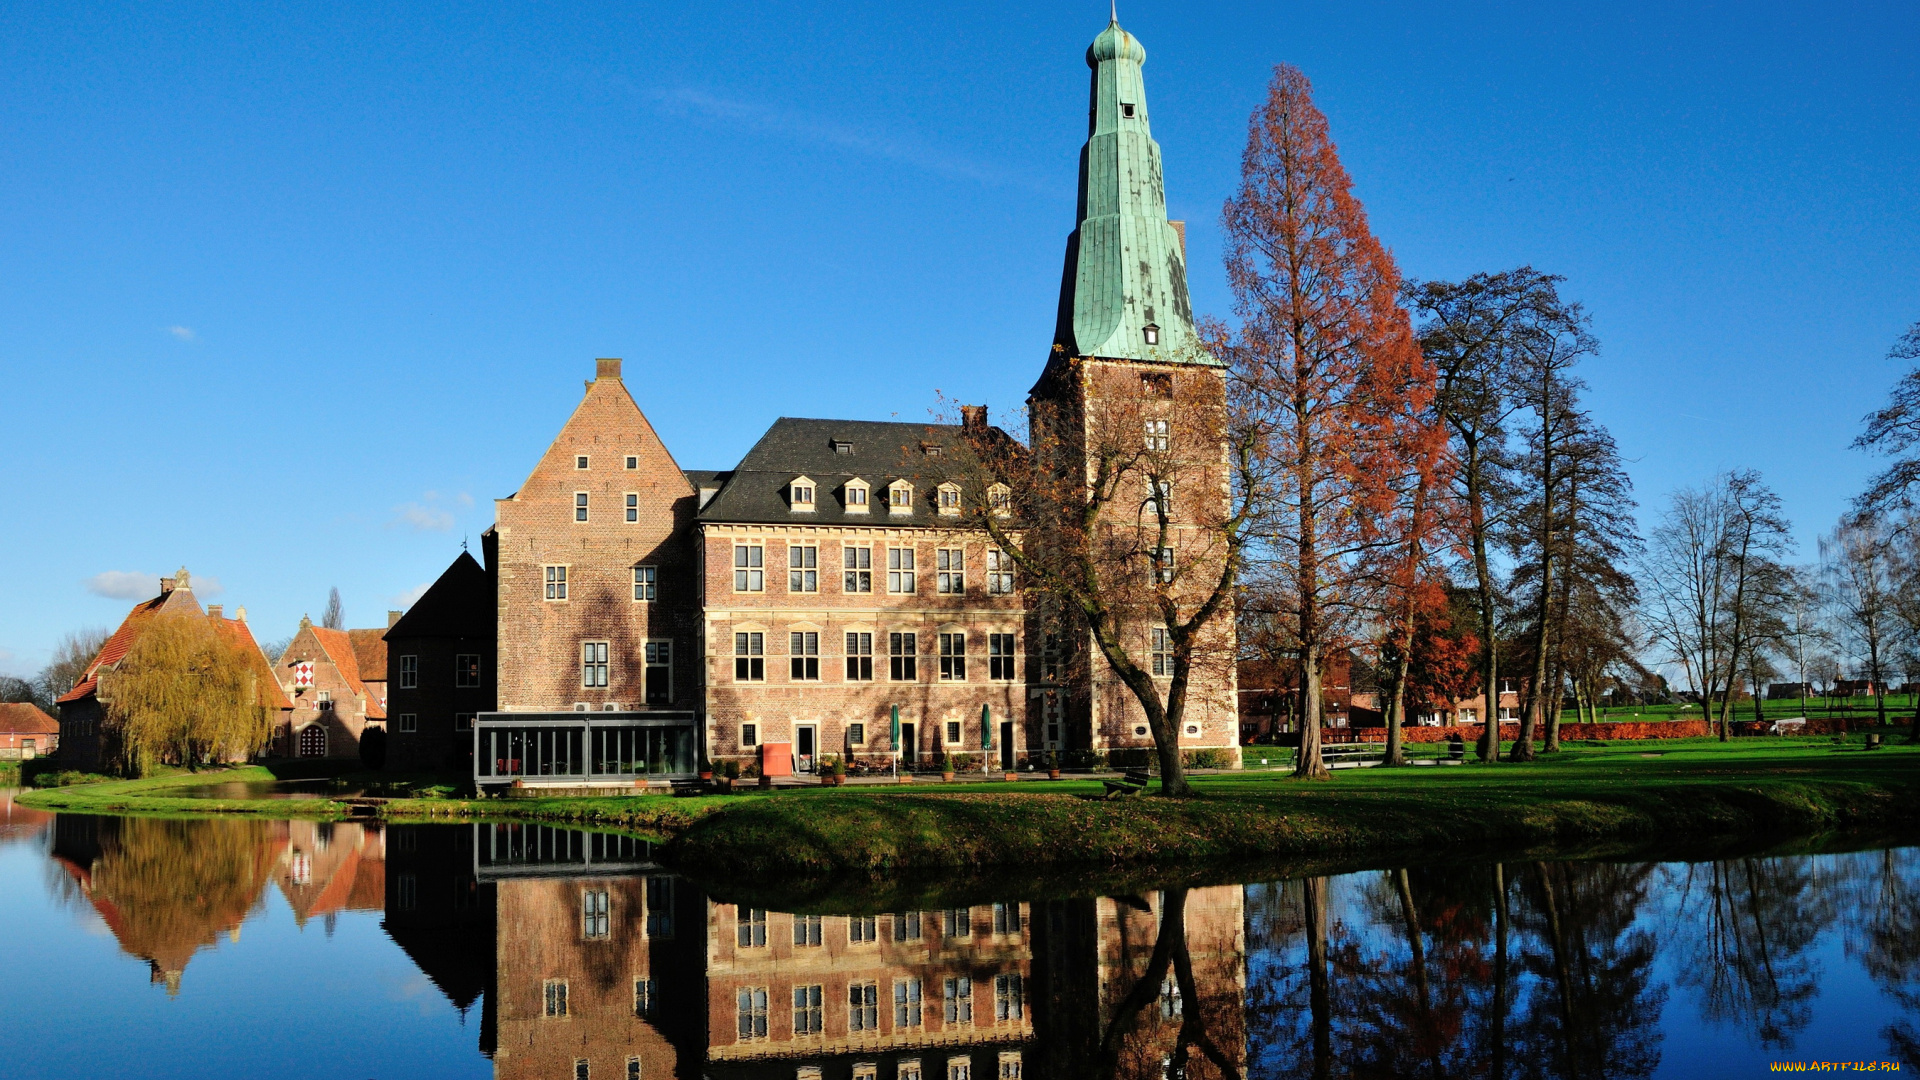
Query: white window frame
point(750, 655)
point(856, 580)
point(857, 733)
point(651, 651)
point(1000, 500)
point(856, 496)
point(555, 575)
point(803, 568)
point(633, 461)
point(999, 572)
point(899, 498)
point(409, 672)
point(581, 462)
point(646, 583)
point(903, 666)
point(595, 664)
point(633, 507)
point(580, 500)
point(949, 499)
point(950, 571)
point(409, 722)
point(460, 668)
point(902, 571)
point(750, 734)
point(953, 655)
point(1160, 649)
point(1163, 565)
point(749, 567)
point(803, 656)
point(859, 655)
point(801, 493)
point(1158, 437)
point(1000, 664)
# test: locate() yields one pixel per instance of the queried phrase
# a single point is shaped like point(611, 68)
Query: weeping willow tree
point(184, 695)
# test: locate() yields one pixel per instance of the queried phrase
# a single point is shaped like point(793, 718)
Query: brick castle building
point(650, 619)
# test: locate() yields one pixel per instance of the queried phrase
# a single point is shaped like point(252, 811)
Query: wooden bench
point(1133, 783)
point(687, 786)
point(1352, 755)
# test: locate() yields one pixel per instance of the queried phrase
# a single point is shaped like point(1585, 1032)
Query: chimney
point(240, 614)
point(166, 586)
point(216, 611)
point(606, 368)
point(973, 418)
point(1180, 230)
point(393, 617)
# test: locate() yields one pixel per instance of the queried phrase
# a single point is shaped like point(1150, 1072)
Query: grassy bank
point(1628, 792)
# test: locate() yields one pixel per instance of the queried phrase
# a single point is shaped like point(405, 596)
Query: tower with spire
point(1127, 364)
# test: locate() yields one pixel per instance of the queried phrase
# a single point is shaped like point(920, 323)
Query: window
point(806, 931)
point(1126, 110)
point(803, 652)
point(999, 573)
point(633, 507)
point(643, 998)
point(953, 658)
point(409, 892)
point(325, 704)
point(959, 1000)
point(659, 672)
point(906, 926)
point(463, 721)
point(902, 648)
point(556, 582)
point(594, 922)
point(859, 657)
point(1170, 999)
point(800, 494)
point(855, 494)
point(1161, 498)
point(409, 672)
point(858, 564)
point(1157, 385)
point(808, 1016)
point(1006, 918)
point(582, 1070)
point(646, 583)
point(1152, 332)
point(633, 1069)
point(957, 922)
point(466, 670)
point(409, 722)
point(863, 929)
point(951, 567)
point(1157, 435)
point(1162, 651)
point(1010, 1065)
point(751, 1003)
point(749, 574)
point(660, 907)
point(580, 462)
point(579, 506)
point(593, 664)
point(949, 499)
point(749, 734)
point(906, 1003)
point(908, 1070)
point(749, 656)
point(959, 1068)
point(953, 733)
point(1469, 716)
point(900, 498)
point(1000, 657)
point(863, 1007)
point(900, 570)
point(1000, 500)
point(750, 927)
point(857, 734)
point(840, 446)
point(1163, 565)
point(633, 461)
point(1009, 997)
point(554, 992)
point(803, 568)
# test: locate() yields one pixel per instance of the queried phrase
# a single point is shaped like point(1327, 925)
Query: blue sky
point(290, 293)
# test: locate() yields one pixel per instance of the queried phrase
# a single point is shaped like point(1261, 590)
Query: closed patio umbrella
point(896, 740)
point(986, 737)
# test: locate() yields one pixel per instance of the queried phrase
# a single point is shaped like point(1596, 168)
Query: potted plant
point(729, 772)
point(1053, 765)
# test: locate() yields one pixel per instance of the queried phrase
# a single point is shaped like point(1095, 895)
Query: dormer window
point(1153, 334)
point(841, 446)
point(930, 449)
point(1126, 110)
point(855, 494)
point(800, 495)
point(950, 499)
point(900, 497)
point(1000, 500)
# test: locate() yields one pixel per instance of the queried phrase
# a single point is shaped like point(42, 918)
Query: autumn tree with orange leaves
point(1326, 371)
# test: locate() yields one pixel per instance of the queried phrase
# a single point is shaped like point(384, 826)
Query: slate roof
point(459, 604)
point(880, 453)
point(25, 718)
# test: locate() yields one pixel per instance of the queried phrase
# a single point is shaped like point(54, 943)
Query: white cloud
point(422, 518)
point(407, 599)
point(132, 585)
point(184, 333)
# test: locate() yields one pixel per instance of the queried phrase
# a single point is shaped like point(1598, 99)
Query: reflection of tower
point(441, 915)
point(917, 995)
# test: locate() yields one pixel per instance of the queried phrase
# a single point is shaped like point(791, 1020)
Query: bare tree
point(1857, 583)
point(1894, 431)
point(1803, 628)
point(333, 618)
point(71, 658)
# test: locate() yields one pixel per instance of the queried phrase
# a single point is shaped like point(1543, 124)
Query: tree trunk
point(1499, 1025)
point(1397, 706)
point(1309, 765)
point(1313, 896)
point(1489, 745)
point(1553, 707)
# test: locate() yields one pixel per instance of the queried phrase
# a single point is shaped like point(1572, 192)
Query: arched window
point(313, 740)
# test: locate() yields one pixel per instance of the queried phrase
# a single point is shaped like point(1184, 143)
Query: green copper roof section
point(1125, 270)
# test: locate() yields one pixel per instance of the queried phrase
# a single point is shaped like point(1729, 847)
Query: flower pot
point(1008, 777)
point(1053, 774)
point(766, 781)
point(947, 776)
point(706, 774)
point(905, 778)
point(723, 785)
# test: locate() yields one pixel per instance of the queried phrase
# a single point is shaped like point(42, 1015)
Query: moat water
point(243, 948)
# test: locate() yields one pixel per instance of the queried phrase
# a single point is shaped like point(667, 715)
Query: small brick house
point(332, 704)
point(26, 732)
point(441, 666)
point(85, 737)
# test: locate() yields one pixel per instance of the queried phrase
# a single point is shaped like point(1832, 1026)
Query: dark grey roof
point(700, 478)
point(879, 453)
point(459, 604)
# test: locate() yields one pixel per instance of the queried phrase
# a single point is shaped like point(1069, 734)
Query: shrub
point(730, 769)
point(959, 762)
point(1213, 757)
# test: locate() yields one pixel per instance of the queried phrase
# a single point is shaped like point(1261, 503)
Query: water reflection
point(586, 959)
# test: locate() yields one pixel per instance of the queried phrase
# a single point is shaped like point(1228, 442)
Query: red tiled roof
point(237, 633)
point(370, 652)
point(27, 719)
point(121, 643)
point(339, 649)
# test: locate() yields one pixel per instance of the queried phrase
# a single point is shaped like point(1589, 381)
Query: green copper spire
point(1123, 294)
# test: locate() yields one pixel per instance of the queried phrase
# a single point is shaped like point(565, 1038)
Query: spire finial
point(1113, 12)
